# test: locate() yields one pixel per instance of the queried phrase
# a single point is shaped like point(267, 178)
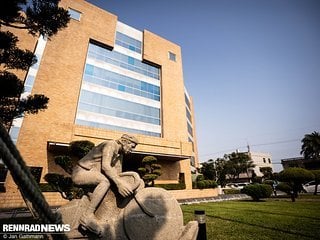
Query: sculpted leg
point(89, 177)
point(98, 194)
point(88, 219)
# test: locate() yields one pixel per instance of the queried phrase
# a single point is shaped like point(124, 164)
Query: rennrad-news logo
point(35, 228)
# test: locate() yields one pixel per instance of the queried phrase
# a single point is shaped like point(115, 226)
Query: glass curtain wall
point(119, 91)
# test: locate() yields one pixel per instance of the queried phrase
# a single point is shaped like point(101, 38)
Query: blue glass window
point(117, 128)
point(29, 83)
point(190, 131)
point(98, 103)
point(14, 133)
point(189, 115)
point(89, 69)
point(121, 88)
point(187, 101)
point(131, 60)
point(123, 61)
point(113, 80)
point(172, 56)
point(128, 42)
point(97, 73)
point(74, 14)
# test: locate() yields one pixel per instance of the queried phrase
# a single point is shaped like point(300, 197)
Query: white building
point(260, 160)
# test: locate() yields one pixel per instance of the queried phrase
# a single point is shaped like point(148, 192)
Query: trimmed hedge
point(257, 191)
point(231, 191)
point(172, 186)
point(284, 187)
point(46, 187)
point(206, 184)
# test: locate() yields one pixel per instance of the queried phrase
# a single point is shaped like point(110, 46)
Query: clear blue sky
point(252, 67)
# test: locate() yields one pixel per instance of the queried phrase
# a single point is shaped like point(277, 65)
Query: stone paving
point(219, 198)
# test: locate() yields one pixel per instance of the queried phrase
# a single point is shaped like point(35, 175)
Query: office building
point(105, 78)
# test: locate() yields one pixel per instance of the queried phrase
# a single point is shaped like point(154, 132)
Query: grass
point(276, 218)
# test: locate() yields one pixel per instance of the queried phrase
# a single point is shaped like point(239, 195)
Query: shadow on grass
point(270, 213)
point(256, 225)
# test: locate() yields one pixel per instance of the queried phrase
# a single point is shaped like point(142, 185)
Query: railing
point(25, 181)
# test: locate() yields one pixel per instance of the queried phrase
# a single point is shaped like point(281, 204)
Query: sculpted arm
point(108, 153)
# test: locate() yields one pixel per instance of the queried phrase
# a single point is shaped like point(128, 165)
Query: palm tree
point(238, 163)
point(249, 166)
point(311, 146)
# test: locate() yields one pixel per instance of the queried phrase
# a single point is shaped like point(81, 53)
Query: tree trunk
point(293, 199)
point(315, 190)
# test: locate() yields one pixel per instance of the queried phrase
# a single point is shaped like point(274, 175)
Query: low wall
point(195, 193)
point(15, 200)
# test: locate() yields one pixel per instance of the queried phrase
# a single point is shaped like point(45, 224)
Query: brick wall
point(194, 193)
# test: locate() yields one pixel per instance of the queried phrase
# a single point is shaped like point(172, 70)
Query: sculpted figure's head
point(128, 143)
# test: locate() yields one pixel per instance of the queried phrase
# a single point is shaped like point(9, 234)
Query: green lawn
point(270, 219)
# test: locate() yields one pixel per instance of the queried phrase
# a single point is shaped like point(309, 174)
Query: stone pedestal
point(150, 214)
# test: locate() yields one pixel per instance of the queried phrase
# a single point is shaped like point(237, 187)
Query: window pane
point(74, 14)
point(172, 56)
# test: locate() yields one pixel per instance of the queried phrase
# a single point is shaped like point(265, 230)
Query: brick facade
point(59, 78)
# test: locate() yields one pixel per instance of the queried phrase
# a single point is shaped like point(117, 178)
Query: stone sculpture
point(119, 206)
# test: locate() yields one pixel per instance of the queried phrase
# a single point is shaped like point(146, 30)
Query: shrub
point(150, 170)
point(295, 177)
point(46, 187)
point(269, 182)
point(200, 177)
point(257, 191)
point(284, 187)
point(81, 148)
point(210, 184)
point(231, 191)
point(201, 184)
point(172, 186)
point(64, 185)
point(65, 162)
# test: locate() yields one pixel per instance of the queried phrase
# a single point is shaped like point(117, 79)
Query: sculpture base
point(151, 214)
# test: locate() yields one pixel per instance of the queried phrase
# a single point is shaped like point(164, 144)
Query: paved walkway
point(224, 197)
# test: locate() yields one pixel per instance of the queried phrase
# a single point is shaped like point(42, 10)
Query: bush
point(200, 177)
point(269, 182)
point(284, 187)
point(46, 187)
point(210, 184)
point(81, 148)
point(63, 185)
point(257, 191)
point(295, 177)
point(231, 191)
point(172, 186)
point(202, 184)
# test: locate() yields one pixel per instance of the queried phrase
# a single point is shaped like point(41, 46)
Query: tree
point(221, 171)
point(257, 191)
point(311, 146)
point(41, 17)
point(62, 184)
point(267, 172)
point(295, 177)
point(238, 163)
point(208, 170)
point(316, 174)
point(149, 171)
